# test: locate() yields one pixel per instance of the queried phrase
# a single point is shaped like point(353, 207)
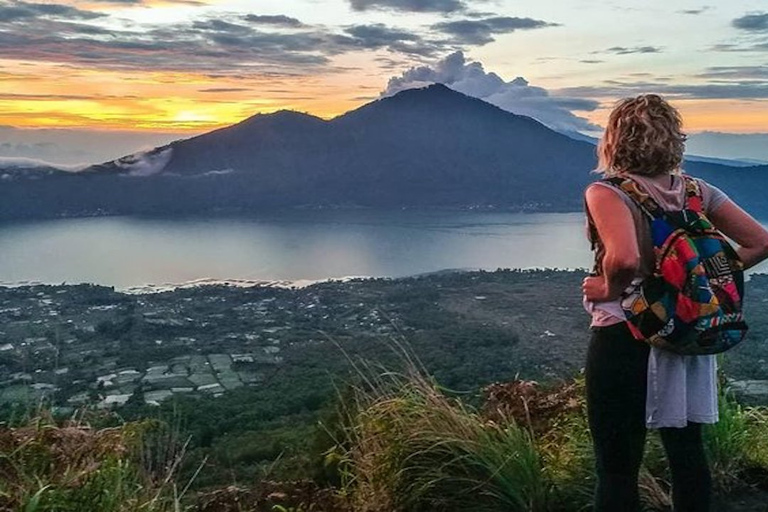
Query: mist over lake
point(294, 245)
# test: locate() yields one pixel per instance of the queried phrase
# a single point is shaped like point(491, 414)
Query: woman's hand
point(595, 289)
point(740, 227)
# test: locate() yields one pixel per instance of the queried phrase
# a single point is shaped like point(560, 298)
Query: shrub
point(73, 467)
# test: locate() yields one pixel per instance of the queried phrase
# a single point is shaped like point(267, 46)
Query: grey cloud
point(378, 36)
point(207, 48)
point(219, 25)
point(584, 105)
point(741, 48)
point(479, 14)
point(746, 90)
point(232, 44)
point(225, 45)
point(516, 96)
point(445, 6)
point(695, 12)
point(280, 20)
point(736, 72)
point(622, 50)
point(80, 28)
point(389, 63)
point(619, 89)
point(725, 47)
point(481, 31)
point(752, 22)
point(16, 10)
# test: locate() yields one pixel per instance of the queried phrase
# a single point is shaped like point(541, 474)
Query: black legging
point(616, 376)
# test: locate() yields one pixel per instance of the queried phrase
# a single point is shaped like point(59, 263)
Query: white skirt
point(680, 389)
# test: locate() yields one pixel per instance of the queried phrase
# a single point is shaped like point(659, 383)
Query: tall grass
point(737, 445)
point(411, 448)
point(569, 463)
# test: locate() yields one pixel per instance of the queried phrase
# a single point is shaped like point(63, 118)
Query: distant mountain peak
point(442, 96)
point(282, 115)
point(436, 90)
point(437, 87)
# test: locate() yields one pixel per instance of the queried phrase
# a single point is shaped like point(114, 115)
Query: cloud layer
point(481, 31)
point(17, 10)
point(228, 42)
point(443, 6)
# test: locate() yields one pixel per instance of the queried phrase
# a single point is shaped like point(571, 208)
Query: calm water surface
point(127, 252)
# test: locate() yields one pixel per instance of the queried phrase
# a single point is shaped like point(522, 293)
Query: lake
point(128, 252)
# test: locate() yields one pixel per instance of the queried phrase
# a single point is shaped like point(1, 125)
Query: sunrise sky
point(136, 72)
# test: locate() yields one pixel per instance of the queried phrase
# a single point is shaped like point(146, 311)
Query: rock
point(750, 392)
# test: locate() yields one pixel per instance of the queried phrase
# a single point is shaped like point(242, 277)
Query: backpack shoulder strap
point(596, 245)
point(694, 199)
point(641, 198)
point(591, 227)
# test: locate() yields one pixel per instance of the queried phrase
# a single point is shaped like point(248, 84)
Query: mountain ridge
point(421, 148)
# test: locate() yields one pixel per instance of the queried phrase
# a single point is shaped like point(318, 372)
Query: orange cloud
point(741, 116)
point(727, 115)
point(63, 96)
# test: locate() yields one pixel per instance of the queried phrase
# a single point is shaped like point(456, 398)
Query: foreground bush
point(72, 467)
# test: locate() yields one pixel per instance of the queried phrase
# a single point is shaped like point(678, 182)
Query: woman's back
point(630, 385)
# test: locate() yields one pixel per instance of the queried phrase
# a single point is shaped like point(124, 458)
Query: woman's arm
point(740, 227)
point(616, 228)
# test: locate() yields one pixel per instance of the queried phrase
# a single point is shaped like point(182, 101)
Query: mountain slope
point(437, 146)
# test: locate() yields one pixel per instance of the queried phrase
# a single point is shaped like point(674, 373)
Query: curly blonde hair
point(644, 136)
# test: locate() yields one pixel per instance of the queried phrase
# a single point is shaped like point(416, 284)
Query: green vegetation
point(247, 374)
point(738, 444)
point(399, 443)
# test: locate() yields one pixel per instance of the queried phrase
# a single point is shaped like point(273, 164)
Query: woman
point(631, 386)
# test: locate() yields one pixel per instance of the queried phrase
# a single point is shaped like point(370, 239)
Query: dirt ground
point(753, 501)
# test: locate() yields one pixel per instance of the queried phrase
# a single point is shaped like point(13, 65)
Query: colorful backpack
point(692, 304)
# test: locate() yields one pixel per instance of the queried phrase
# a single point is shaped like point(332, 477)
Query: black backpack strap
point(596, 246)
point(594, 237)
